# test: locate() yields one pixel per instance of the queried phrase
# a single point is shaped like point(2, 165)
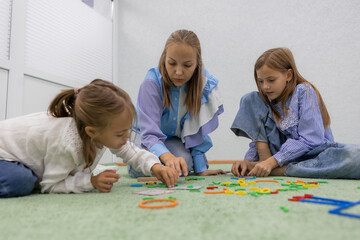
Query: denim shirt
point(302, 126)
point(157, 123)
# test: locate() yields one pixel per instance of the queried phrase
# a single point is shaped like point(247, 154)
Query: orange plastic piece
point(217, 192)
point(266, 181)
point(173, 203)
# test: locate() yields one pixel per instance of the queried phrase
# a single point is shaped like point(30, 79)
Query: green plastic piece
point(194, 190)
point(216, 183)
point(151, 186)
point(278, 179)
point(285, 209)
point(171, 197)
point(255, 194)
point(233, 185)
point(322, 182)
point(240, 189)
point(148, 198)
point(284, 189)
point(358, 187)
point(190, 186)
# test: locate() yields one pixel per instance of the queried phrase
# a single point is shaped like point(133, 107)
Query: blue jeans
point(176, 147)
point(330, 160)
point(15, 179)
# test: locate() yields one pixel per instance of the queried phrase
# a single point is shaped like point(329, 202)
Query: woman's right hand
point(177, 163)
point(104, 181)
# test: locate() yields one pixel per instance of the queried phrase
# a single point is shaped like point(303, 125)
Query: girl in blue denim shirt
point(178, 107)
point(289, 126)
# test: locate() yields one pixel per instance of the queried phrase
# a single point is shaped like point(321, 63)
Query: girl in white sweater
point(59, 149)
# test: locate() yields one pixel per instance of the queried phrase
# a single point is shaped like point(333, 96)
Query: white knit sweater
point(52, 148)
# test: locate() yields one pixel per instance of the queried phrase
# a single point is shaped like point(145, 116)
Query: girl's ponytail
point(63, 104)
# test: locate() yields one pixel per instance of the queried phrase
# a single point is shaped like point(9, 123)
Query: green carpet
point(116, 215)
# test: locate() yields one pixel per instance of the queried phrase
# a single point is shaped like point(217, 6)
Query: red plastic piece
point(308, 195)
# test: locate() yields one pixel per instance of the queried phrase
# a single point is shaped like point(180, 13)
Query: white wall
point(323, 35)
point(46, 46)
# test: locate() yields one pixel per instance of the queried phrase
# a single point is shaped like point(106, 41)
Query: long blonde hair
point(195, 84)
point(93, 105)
point(281, 59)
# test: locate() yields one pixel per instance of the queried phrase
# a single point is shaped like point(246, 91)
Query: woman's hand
point(104, 181)
point(240, 168)
point(177, 163)
point(263, 168)
point(211, 172)
point(167, 175)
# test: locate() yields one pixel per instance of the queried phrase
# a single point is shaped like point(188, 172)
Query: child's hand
point(177, 163)
point(211, 172)
point(167, 175)
point(263, 168)
point(104, 181)
point(241, 165)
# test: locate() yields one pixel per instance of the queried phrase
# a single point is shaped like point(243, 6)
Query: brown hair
point(94, 105)
point(195, 84)
point(281, 59)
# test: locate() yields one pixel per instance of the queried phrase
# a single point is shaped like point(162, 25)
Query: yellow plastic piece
point(310, 185)
point(225, 183)
point(229, 192)
point(265, 190)
point(251, 182)
point(254, 189)
point(240, 193)
point(241, 182)
point(150, 183)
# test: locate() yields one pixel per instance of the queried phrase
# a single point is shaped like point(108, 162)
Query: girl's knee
point(17, 186)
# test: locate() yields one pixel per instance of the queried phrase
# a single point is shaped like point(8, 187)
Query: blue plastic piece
point(342, 204)
point(136, 185)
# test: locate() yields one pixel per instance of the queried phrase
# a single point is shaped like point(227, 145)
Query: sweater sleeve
point(63, 175)
point(150, 110)
point(139, 159)
point(252, 153)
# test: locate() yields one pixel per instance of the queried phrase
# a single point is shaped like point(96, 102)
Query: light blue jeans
point(175, 146)
point(254, 120)
point(15, 179)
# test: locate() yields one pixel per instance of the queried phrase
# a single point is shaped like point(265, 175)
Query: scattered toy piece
point(266, 181)
point(285, 209)
point(194, 190)
point(147, 198)
point(154, 192)
point(341, 204)
point(150, 183)
point(217, 192)
point(136, 185)
point(241, 193)
point(172, 204)
point(185, 187)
